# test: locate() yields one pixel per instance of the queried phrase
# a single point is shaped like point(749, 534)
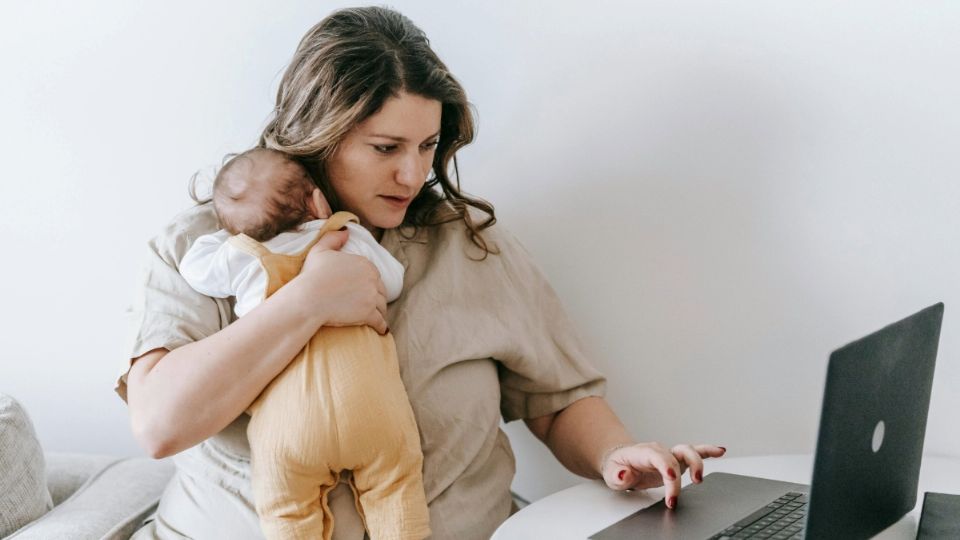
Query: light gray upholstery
point(66, 472)
point(92, 496)
point(23, 491)
point(102, 497)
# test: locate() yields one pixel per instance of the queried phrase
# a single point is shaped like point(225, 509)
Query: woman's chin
point(389, 221)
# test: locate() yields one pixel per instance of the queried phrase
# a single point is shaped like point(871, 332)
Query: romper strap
point(248, 245)
point(334, 223)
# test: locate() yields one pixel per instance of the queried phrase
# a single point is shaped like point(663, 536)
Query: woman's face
point(381, 164)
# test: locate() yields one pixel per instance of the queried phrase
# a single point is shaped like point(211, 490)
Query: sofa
point(57, 495)
point(47, 495)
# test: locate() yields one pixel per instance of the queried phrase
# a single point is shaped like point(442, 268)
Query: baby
point(340, 404)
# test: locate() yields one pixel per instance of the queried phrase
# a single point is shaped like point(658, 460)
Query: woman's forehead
point(407, 117)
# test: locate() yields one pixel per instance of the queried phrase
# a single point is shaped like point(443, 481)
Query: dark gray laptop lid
point(872, 427)
point(863, 480)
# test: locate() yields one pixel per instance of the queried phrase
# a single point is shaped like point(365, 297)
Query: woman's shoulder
point(173, 241)
point(449, 259)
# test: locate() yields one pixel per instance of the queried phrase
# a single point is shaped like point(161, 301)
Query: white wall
point(720, 192)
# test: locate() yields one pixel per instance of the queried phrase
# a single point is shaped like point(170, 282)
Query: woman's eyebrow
point(401, 139)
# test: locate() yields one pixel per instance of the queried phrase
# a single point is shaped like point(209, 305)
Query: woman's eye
point(390, 148)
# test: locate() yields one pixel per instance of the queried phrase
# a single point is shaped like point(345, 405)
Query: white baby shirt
point(216, 268)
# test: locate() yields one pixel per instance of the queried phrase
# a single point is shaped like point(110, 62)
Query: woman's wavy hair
point(342, 72)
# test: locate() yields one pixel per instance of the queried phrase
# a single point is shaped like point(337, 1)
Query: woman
point(376, 117)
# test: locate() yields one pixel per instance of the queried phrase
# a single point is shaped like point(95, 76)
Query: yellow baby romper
point(339, 405)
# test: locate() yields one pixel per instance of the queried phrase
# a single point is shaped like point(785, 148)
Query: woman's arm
point(589, 440)
point(579, 434)
point(181, 397)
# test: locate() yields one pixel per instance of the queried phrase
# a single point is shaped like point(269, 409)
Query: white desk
point(584, 509)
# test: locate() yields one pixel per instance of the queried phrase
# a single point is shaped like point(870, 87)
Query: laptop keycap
point(781, 519)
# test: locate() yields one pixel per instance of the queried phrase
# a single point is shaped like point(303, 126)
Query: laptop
point(867, 462)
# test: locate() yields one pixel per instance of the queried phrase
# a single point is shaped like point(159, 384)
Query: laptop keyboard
point(782, 519)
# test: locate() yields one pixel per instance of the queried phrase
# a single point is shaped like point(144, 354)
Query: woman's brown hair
point(342, 72)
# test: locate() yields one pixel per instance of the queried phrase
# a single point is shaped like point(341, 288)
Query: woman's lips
point(399, 202)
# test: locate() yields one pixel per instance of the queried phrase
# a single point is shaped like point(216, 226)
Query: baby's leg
point(290, 500)
point(290, 449)
point(392, 497)
point(379, 440)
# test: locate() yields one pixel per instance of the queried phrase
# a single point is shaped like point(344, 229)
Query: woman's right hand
point(342, 289)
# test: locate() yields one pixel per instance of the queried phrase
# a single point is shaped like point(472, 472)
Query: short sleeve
point(206, 266)
point(542, 367)
point(165, 311)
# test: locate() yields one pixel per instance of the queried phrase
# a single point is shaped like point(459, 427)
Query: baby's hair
point(283, 208)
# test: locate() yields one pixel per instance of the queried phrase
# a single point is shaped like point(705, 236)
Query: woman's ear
point(318, 205)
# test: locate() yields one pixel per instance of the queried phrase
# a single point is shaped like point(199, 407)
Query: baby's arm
point(207, 266)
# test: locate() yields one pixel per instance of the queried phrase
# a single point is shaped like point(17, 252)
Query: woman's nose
point(410, 171)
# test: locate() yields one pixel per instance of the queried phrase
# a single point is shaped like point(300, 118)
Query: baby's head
point(262, 193)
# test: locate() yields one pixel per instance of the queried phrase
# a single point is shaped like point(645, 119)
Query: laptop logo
point(877, 437)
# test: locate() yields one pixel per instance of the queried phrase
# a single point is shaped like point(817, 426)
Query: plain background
point(720, 192)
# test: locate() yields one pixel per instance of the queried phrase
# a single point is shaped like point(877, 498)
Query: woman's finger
point(331, 240)
point(709, 450)
point(649, 465)
point(382, 313)
point(688, 456)
point(669, 469)
point(382, 297)
point(377, 322)
point(643, 466)
point(626, 466)
point(382, 305)
point(614, 470)
point(381, 288)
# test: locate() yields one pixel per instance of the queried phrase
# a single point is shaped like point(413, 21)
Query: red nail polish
point(722, 448)
point(671, 474)
point(699, 476)
point(672, 502)
point(621, 474)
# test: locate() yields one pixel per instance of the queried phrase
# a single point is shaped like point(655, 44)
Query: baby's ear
point(318, 205)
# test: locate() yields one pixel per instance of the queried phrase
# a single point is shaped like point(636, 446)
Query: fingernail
point(671, 474)
point(722, 448)
point(621, 474)
point(699, 476)
point(672, 502)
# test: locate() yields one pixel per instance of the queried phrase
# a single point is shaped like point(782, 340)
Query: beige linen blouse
point(477, 341)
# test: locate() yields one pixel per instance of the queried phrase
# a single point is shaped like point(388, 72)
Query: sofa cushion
point(110, 505)
point(67, 472)
point(23, 480)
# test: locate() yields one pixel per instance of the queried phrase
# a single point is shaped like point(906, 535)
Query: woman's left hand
point(646, 465)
